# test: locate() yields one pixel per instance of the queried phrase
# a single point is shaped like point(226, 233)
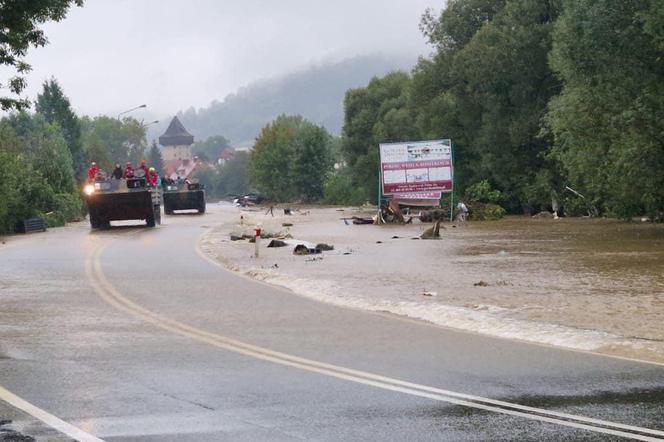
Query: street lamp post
point(149, 124)
point(132, 109)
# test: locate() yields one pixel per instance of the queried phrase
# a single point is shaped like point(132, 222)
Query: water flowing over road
point(131, 334)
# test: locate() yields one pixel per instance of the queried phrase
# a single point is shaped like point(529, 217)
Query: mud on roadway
point(587, 284)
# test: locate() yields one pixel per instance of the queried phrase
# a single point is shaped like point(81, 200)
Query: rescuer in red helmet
point(92, 171)
point(129, 171)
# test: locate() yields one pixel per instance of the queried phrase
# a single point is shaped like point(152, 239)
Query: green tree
point(291, 159)
point(44, 145)
point(378, 113)
point(487, 88)
point(207, 176)
point(609, 120)
point(458, 22)
point(24, 192)
point(19, 30)
point(234, 176)
point(154, 158)
point(55, 107)
point(211, 148)
point(108, 140)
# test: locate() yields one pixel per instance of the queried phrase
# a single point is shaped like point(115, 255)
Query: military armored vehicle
point(125, 199)
point(184, 196)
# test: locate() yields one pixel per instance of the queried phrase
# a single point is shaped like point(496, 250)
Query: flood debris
point(432, 232)
point(276, 243)
point(302, 250)
point(287, 211)
point(428, 216)
point(286, 224)
point(324, 247)
point(236, 237)
point(481, 284)
point(429, 293)
point(391, 213)
point(362, 221)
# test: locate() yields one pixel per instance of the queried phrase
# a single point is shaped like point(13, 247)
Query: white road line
point(46, 417)
point(108, 292)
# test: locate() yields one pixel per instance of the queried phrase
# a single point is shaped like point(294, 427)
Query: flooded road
point(134, 334)
point(587, 284)
point(601, 275)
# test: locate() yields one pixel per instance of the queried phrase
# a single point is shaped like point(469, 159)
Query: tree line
point(548, 102)
point(44, 156)
point(538, 96)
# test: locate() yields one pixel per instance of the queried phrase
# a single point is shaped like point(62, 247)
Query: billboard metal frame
point(382, 194)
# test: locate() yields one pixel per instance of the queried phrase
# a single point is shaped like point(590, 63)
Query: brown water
point(579, 271)
point(580, 283)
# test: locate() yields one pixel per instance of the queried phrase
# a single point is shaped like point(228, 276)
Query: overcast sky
point(112, 55)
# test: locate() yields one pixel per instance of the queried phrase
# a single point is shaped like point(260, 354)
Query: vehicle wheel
point(150, 221)
point(104, 224)
point(94, 222)
point(201, 208)
point(168, 210)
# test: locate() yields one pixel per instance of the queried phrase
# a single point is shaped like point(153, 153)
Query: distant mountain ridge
point(316, 93)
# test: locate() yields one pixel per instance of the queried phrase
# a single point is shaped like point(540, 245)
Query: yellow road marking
point(110, 294)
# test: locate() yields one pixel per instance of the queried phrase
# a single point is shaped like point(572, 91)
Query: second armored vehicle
point(185, 196)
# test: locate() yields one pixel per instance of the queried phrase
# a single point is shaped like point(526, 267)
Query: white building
point(176, 143)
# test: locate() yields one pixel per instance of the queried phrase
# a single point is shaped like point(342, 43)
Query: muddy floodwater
point(587, 284)
point(599, 275)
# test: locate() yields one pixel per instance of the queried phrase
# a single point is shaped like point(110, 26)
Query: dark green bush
point(486, 212)
point(339, 190)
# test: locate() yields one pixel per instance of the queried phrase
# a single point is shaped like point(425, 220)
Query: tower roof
point(176, 134)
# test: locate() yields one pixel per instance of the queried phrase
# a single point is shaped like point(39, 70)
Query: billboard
point(419, 166)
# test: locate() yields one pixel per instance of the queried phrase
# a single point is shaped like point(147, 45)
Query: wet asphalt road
point(130, 335)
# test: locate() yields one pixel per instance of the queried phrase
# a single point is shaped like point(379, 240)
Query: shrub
point(486, 212)
point(340, 190)
point(483, 192)
point(68, 206)
point(24, 193)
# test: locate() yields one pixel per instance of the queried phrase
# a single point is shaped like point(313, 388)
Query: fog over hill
point(316, 93)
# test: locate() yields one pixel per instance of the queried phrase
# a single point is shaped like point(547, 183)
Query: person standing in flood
point(463, 212)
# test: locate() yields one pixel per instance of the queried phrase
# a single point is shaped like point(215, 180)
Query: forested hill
point(316, 93)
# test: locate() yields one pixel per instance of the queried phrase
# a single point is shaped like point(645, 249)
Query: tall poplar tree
point(54, 105)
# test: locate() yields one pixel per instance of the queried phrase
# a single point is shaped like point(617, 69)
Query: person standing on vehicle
point(118, 173)
point(152, 177)
point(144, 168)
point(92, 171)
point(129, 171)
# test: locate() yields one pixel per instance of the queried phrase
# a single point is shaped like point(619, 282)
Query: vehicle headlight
point(89, 189)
